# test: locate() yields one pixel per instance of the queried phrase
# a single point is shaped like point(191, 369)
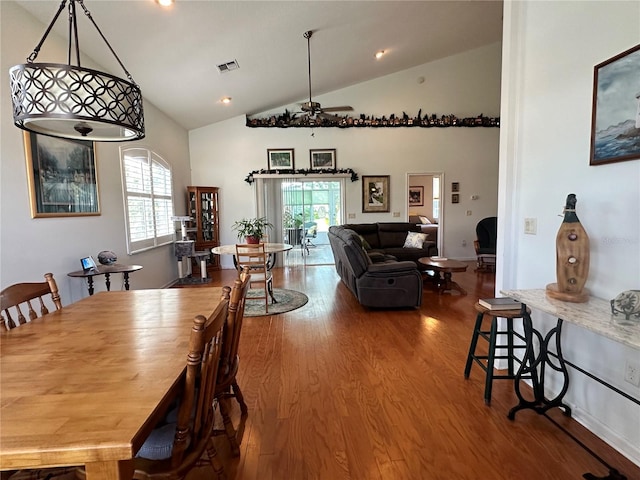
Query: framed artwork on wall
point(455, 186)
point(416, 196)
point(62, 176)
point(615, 116)
point(375, 193)
point(280, 159)
point(455, 198)
point(323, 159)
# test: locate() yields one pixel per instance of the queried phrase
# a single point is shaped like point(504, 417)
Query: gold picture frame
point(62, 176)
point(375, 193)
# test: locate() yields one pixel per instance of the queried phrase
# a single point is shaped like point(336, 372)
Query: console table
point(106, 270)
point(594, 315)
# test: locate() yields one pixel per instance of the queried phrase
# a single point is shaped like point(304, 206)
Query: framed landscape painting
point(62, 176)
point(323, 159)
point(280, 159)
point(615, 120)
point(375, 193)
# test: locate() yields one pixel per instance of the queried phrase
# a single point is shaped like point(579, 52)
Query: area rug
point(287, 300)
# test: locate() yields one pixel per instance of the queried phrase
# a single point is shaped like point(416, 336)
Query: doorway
point(301, 211)
point(424, 203)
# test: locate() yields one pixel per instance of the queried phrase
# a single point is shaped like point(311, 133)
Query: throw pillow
point(414, 240)
point(424, 220)
point(364, 242)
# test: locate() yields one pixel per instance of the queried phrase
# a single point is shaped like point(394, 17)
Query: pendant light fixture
point(69, 101)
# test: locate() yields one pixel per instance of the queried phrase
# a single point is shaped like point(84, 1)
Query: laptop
point(88, 264)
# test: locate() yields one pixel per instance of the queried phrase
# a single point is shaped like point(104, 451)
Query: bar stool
point(486, 362)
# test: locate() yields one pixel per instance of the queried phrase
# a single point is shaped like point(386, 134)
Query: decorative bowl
point(107, 257)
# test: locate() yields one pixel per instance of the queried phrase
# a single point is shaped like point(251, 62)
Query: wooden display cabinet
point(203, 208)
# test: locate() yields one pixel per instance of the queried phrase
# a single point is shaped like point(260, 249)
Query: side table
point(443, 265)
point(106, 270)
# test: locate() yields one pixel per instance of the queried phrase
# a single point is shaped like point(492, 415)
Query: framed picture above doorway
point(323, 159)
point(280, 158)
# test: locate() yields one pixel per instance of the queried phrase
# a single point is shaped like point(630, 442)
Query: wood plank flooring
point(338, 391)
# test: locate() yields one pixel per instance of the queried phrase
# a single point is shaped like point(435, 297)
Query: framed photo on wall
point(62, 176)
point(416, 196)
point(375, 193)
point(455, 198)
point(615, 117)
point(323, 159)
point(280, 159)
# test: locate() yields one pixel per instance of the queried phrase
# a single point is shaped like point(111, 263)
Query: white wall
point(466, 85)
point(550, 49)
point(31, 247)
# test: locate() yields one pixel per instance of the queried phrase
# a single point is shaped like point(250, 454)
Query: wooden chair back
point(20, 296)
point(254, 258)
point(194, 432)
point(227, 386)
point(233, 327)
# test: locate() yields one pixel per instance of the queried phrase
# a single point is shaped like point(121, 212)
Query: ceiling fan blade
point(326, 116)
point(345, 108)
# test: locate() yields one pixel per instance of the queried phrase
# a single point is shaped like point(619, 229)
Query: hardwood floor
point(337, 391)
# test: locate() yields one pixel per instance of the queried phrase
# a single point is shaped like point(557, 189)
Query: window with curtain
point(148, 199)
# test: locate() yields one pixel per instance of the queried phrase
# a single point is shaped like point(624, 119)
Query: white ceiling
point(172, 53)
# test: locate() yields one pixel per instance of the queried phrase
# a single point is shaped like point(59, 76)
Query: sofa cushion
point(414, 240)
point(368, 231)
point(393, 234)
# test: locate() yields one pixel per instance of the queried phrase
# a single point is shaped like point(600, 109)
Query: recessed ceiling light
point(226, 100)
point(165, 3)
point(380, 53)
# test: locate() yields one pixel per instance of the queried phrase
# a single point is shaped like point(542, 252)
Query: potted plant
point(251, 229)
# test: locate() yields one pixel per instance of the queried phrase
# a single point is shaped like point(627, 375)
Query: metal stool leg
point(490, 360)
point(474, 343)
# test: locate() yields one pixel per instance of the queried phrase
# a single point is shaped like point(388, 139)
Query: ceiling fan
point(314, 109)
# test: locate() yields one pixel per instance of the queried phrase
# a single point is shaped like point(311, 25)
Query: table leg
point(107, 281)
point(529, 366)
point(90, 282)
point(126, 280)
point(122, 470)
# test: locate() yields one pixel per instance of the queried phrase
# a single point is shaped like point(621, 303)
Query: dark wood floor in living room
point(338, 391)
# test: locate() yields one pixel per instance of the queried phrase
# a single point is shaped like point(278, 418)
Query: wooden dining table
point(86, 384)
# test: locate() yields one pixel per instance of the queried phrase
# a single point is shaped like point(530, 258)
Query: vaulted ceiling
point(173, 53)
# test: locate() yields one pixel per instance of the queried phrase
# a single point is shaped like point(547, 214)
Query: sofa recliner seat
point(386, 284)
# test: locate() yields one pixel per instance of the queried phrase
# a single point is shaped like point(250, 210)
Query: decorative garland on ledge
point(302, 171)
point(288, 119)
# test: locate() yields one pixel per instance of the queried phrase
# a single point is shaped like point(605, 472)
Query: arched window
point(148, 199)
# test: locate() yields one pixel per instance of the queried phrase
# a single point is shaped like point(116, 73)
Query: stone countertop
point(594, 315)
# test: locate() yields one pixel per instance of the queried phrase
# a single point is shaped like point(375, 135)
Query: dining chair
point(172, 449)
point(227, 384)
point(254, 257)
point(21, 295)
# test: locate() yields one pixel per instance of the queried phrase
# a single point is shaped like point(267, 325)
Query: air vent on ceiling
point(227, 67)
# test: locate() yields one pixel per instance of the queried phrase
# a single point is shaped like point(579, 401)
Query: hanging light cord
point(73, 27)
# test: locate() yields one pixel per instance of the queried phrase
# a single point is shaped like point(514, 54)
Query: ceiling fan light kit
point(69, 101)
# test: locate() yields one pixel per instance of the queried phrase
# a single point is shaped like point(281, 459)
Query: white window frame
point(156, 228)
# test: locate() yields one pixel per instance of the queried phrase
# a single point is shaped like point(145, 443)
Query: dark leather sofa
point(388, 283)
point(387, 238)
